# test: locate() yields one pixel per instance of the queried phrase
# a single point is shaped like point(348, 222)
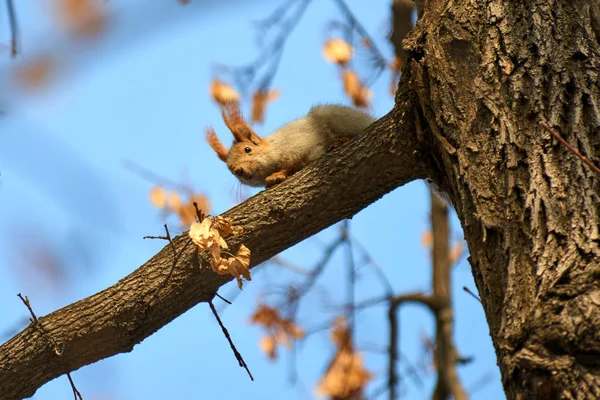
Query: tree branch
point(113, 321)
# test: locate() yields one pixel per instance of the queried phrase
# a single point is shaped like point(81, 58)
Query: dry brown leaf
point(204, 236)
point(340, 333)
point(337, 51)
point(187, 212)
point(158, 197)
point(174, 201)
point(224, 226)
point(353, 87)
point(36, 73)
point(208, 235)
point(265, 316)
point(85, 18)
point(223, 94)
point(345, 378)
point(456, 252)
point(260, 99)
point(427, 239)
point(269, 346)
point(282, 331)
point(236, 266)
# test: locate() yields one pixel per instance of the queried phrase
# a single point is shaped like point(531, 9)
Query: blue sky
point(140, 93)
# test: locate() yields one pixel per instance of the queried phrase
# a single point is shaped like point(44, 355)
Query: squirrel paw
point(338, 143)
point(275, 178)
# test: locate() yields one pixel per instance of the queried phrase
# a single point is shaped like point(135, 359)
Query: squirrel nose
point(239, 171)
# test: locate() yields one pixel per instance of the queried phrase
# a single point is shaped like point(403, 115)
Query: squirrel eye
point(247, 149)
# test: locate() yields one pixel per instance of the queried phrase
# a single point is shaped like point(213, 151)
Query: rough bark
point(486, 72)
point(483, 74)
point(448, 384)
point(116, 319)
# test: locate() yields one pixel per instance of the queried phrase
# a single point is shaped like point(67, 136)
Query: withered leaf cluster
point(345, 377)
point(171, 202)
point(280, 331)
point(209, 235)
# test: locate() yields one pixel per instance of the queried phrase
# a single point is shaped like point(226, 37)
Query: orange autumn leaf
point(187, 211)
point(337, 51)
point(158, 197)
point(260, 99)
point(269, 346)
point(85, 18)
point(345, 377)
point(355, 90)
point(205, 236)
point(280, 331)
point(223, 94)
point(36, 73)
point(172, 202)
point(427, 239)
point(456, 252)
point(208, 235)
point(237, 266)
point(225, 227)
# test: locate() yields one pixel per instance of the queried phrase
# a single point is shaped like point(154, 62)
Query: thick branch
point(113, 321)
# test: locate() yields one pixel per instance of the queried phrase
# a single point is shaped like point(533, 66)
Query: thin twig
point(237, 354)
point(76, 393)
point(393, 349)
point(199, 214)
point(288, 265)
point(222, 298)
point(318, 269)
point(58, 350)
point(25, 301)
point(350, 310)
point(378, 270)
point(244, 76)
point(583, 158)
point(379, 58)
point(176, 256)
point(155, 178)
point(14, 28)
point(466, 289)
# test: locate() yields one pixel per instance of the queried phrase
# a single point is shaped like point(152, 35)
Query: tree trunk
point(485, 74)
point(478, 79)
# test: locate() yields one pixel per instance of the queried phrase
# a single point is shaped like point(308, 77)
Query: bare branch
point(237, 354)
point(113, 321)
point(377, 58)
point(25, 301)
point(14, 28)
point(393, 349)
point(466, 289)
point(448, 384)
point(222, 298)
point(76, 393)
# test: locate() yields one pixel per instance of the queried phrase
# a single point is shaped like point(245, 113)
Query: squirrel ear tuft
point(238, 126)
point(215, 143)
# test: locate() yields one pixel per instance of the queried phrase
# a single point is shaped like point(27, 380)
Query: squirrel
point(258, 162)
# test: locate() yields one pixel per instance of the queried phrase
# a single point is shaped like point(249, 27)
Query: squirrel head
point(248, 157)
